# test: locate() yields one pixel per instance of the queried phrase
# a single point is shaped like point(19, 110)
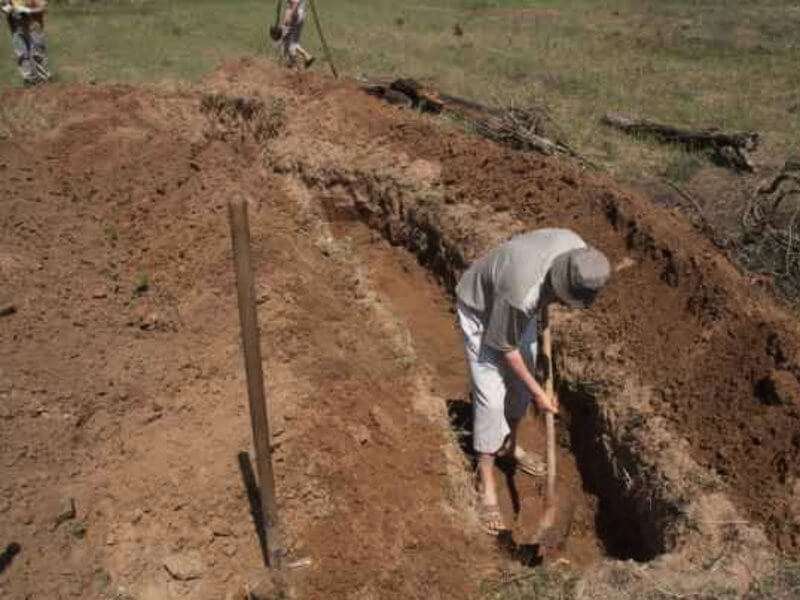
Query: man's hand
point(520, 369)
point(547, 403)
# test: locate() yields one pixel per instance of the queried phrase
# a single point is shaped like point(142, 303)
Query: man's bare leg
point(307, 58)
point(491, 519)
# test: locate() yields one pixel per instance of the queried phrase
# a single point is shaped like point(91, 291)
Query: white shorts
point(498, 396)
point(291, 40)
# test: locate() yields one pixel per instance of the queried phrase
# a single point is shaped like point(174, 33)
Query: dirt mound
point(122, 384)
point(123, 387)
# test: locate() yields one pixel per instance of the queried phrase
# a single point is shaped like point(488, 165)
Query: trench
point(598, 517)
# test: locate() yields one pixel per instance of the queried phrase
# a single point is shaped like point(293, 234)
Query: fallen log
point(732, 148)
point(405, 92)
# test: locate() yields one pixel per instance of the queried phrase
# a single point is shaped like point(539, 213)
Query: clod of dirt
point(383, 422)
point(360, 434)
point(220, 528)
point(66, 511)
point(240, 115)
point(263, 589)
point(7, 309)
point(144, 317)
point(76, 529)
point(184, 567)
point(780, 388)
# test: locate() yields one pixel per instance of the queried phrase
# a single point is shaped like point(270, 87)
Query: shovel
point(555, 524)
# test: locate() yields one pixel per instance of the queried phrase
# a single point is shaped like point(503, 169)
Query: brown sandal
point(491, 519)
point(532, 464)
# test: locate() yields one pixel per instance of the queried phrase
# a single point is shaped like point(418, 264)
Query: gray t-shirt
point(504, 285)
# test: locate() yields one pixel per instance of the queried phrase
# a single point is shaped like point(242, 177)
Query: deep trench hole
point(611, 520)
point(625, 520)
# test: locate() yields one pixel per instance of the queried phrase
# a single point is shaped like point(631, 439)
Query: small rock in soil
point(220, 527)
point(6, 310)
point(383, 421)
point(360, 434)
point(76, 529)
point(184, 567)
point(625, 263)
point(66, 511)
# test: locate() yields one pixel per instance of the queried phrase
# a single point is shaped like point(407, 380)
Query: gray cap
point(577, 276)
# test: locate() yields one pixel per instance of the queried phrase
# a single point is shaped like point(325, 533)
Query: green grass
point(731, 64)
point(137, 41)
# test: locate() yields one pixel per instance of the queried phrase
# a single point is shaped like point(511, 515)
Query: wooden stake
point(322, 39)
point(248, 318)
point(549, 418)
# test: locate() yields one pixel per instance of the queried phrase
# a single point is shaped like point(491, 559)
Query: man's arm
point(520, 369)
point(503, 334)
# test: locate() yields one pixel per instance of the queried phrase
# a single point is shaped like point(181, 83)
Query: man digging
point(293, 21)
point(500, 299)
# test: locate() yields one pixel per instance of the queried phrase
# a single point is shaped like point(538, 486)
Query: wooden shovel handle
point(549, 418)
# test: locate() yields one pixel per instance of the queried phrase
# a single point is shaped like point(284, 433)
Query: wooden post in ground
point(240, 235)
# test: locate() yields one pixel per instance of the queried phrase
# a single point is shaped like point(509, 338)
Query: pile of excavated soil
point(121, 383)
point(123, 387)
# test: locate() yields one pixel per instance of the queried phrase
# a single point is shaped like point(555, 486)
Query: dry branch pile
point(771, 224)
point(519, 128)
point(731, 148)
point(242, 116)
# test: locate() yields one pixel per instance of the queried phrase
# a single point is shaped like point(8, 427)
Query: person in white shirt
point(293, 20)
point(500, 300)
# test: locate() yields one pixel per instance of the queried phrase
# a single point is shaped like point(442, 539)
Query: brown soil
point(132, 402)
point(707, 339)
point(121, 380)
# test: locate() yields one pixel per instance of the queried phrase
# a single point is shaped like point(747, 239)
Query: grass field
point(731, 64)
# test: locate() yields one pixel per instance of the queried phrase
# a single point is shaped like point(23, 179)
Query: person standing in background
point(293, 21)
point(26, 21)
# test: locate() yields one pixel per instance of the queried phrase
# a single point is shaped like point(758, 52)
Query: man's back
point(514, 271)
